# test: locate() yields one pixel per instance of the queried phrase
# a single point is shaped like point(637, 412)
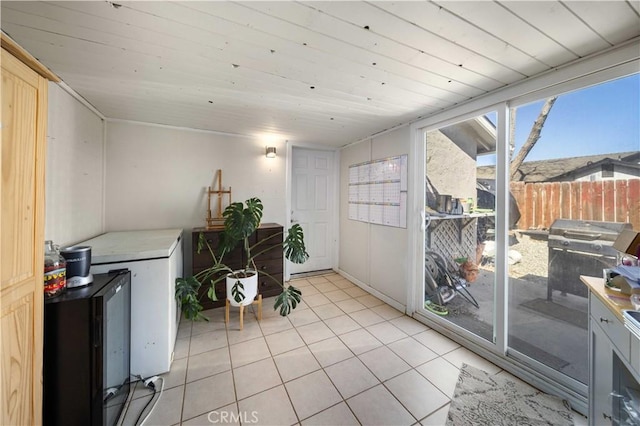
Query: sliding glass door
point(505, 245)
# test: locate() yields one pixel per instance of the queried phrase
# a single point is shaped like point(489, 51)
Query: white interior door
point(311, 205)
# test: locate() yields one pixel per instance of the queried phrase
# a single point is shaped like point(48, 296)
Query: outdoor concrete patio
point(554, 332)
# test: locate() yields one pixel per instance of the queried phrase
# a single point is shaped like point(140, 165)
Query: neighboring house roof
point(591, 168)
point(566, 168)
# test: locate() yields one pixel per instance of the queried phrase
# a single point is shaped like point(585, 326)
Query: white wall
point(375, 255)
point(158, 176)
point(74, 177)
point(617, 175)
point(450, 168)
point(354, 236)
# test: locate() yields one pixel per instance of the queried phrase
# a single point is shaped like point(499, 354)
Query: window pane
point(460, 248)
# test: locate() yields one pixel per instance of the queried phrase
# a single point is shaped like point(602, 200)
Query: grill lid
point(603, 232)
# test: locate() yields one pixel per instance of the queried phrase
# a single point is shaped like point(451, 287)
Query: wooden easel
point(216, 222)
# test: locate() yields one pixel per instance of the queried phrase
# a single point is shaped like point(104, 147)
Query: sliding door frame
point(612, 64)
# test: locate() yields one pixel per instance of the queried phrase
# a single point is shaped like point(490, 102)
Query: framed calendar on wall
point(378, 191)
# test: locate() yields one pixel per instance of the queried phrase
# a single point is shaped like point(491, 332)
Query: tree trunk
point(534, 135)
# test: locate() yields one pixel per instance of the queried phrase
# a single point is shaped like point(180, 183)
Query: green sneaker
point(435, 308)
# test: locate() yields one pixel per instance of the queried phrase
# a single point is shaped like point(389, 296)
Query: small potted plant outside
point(240, 221)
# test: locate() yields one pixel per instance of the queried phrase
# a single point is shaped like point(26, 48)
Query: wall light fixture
point(271, 152)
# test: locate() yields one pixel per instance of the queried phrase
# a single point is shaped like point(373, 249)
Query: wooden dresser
point(269, 259)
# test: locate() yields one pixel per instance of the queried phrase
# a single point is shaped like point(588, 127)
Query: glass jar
point(55, 270)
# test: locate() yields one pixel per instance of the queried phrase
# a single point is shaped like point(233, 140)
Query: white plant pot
point(250, 288)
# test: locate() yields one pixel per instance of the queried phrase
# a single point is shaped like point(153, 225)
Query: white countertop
point(119, 246)
point(613, 300)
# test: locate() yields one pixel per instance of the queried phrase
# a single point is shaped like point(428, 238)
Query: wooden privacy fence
point(610, 200)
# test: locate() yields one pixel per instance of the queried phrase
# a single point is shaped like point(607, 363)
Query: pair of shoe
point(435, 308)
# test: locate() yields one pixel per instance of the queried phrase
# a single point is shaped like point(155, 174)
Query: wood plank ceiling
point(326, 73)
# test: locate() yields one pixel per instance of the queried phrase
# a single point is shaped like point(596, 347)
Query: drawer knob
point(604, 320)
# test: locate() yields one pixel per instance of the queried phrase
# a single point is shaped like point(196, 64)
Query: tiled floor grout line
point(319, 317)
point(381, 382)
point(323, 320)
point(343, 400)
point(354, 355)
point(233, 377)
point(186, 370)
point(322, 368)
point(283, 384)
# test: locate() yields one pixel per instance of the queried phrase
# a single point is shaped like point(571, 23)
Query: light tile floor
point(342, 357)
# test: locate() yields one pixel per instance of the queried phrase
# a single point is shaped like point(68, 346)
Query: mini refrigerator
point(154, 258)
point(86, 352)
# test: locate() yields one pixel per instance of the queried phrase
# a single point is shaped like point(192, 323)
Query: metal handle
point(606, 416)
point(604, 320)
point(581, 235)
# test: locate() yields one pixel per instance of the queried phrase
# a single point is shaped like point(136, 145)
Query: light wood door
point(24, 106)
point(311, 201)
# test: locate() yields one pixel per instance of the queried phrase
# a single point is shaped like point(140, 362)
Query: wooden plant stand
point(257, 301)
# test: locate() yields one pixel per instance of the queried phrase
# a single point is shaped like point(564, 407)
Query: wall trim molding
point(64, 86)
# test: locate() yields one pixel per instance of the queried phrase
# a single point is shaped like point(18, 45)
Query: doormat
point(481, 399)
point(533, 351)
point(559, 312)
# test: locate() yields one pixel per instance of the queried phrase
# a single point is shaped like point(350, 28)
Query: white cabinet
point(614, 355)
point(601, 366)
point(154, 258)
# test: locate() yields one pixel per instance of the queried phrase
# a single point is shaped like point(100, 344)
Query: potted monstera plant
point(240, 221)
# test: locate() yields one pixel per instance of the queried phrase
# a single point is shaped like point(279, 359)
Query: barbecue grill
point(579, 247)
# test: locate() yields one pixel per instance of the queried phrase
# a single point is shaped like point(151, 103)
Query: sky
point(600, 119)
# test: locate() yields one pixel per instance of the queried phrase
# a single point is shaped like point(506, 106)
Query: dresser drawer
point(204, 259)
point(267, 287)
point(269, 253)
point(275, 232)
point(615, 329)
point(273, 267)
point(221, 294)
